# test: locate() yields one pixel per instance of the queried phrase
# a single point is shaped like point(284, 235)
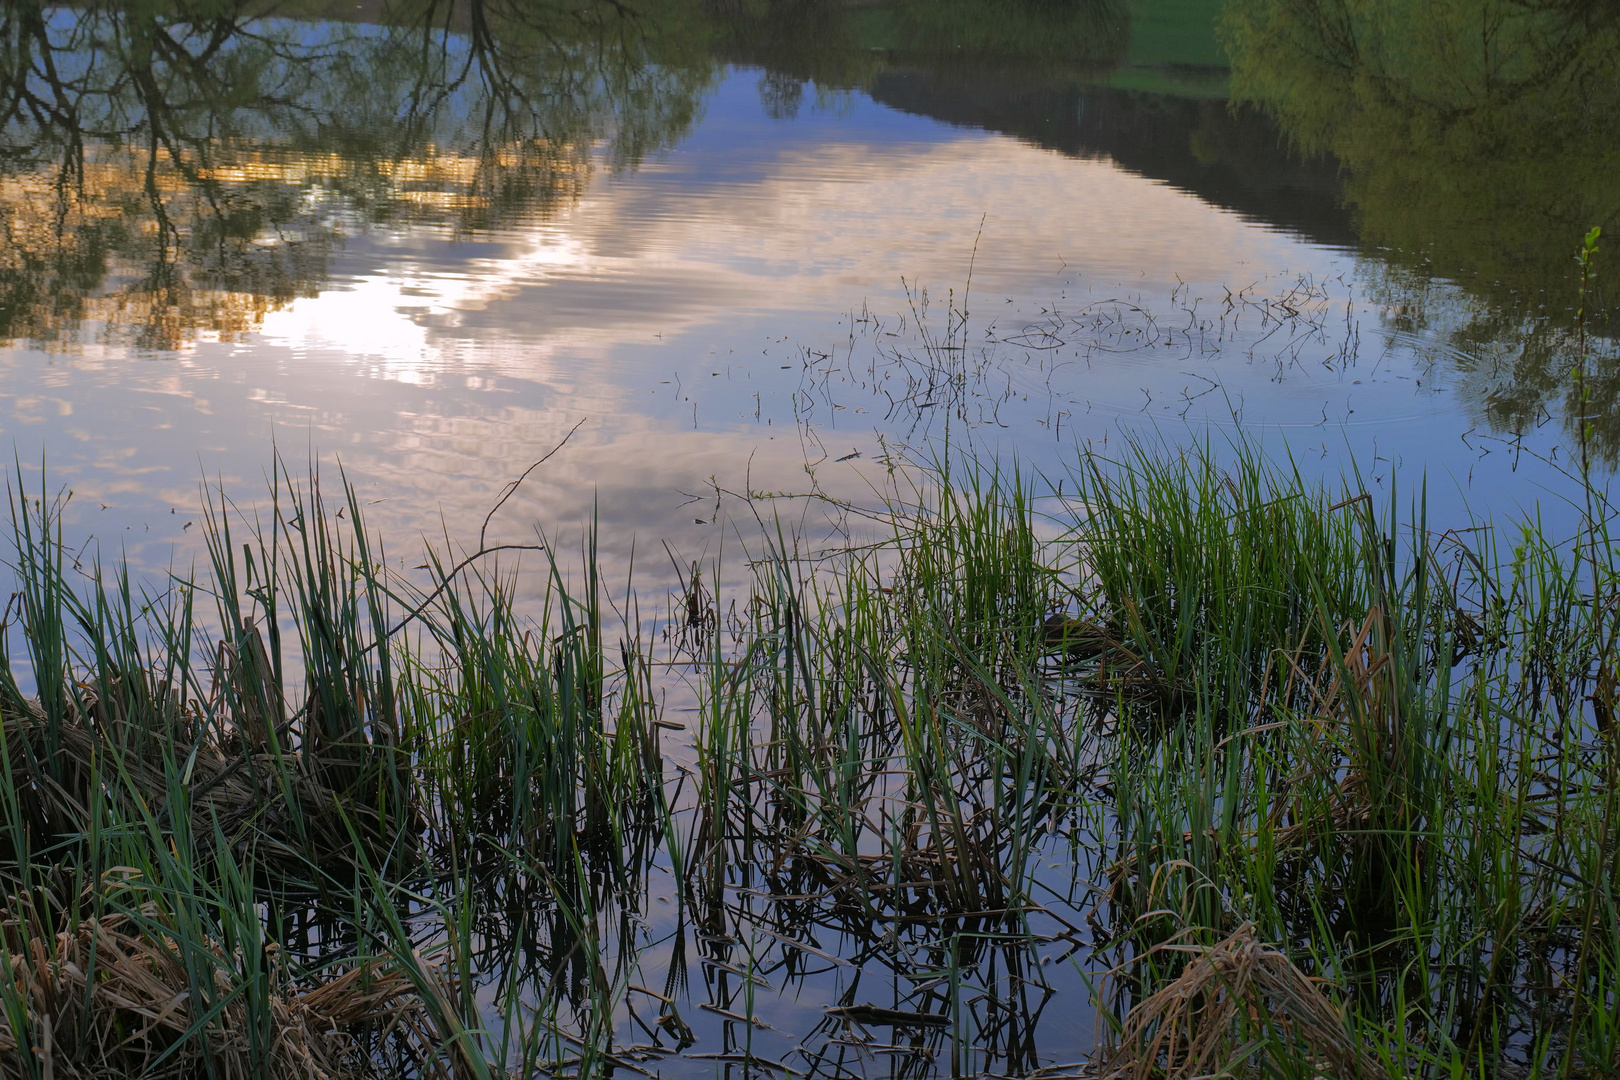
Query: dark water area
point(1235, 160)
point(709, 250)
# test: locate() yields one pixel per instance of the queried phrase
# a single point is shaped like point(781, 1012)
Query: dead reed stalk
point(112, 997)
point(1234, 1002)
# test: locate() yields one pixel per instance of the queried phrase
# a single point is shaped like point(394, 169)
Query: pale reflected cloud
point(688, 312)
point(639, 256)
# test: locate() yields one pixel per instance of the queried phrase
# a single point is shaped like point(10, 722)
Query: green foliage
point(1205, 570)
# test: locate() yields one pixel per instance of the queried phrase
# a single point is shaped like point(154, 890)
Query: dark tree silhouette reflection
point(1478, 140)
point(174, 171)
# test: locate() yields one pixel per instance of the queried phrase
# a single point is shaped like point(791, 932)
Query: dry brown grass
point(1237, 1005)
point(111, 997)
point(1355, 713)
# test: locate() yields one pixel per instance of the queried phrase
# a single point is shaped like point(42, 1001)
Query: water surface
point(431, 253)
point(773, 250)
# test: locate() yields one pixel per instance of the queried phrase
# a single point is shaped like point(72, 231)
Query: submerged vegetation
point(1240, 771)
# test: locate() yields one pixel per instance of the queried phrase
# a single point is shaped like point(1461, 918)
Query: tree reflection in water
point(1477, 140)
point(170, 171)
point(179, 170)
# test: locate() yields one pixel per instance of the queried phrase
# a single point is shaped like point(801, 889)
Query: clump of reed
point(1336, 790)
point(1234, 1001)
point(889, 743)
point(183, 790)
point(109, 995)
point(1383, 749)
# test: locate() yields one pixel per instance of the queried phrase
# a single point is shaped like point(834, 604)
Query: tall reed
point(1336, 791)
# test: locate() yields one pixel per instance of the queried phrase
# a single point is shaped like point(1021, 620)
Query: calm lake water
point(716, 241)
point(773, 248)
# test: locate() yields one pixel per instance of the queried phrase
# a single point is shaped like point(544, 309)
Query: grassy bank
point(1332, 791)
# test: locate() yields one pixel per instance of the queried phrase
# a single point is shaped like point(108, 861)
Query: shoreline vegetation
point(1335, 790)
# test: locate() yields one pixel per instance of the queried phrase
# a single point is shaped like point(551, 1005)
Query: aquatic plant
point(1296, 755)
